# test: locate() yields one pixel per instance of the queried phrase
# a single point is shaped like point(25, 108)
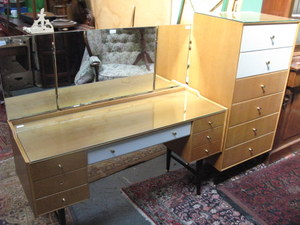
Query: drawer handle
point(113, 151)
point(263, 87)
point(259, 109)
point(174, 133)
point(254, 130)
point(63, 200)
point(60, 166)
point(268, 64)
point(208, 138)
point(272, 39)
point(250, 149)
point(206, 150)
point(210, 123)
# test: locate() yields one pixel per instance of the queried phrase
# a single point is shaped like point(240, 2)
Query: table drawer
point(205, 151)
point(60, 183)
point(254, 109)
point(247, 150)
point(61, 200)
point(260, 62)
point(259, 86)
point(137, 143)
point(247, 131)
point(58, 165)
point(208, 122)
point(207, 137)
point(258, 37)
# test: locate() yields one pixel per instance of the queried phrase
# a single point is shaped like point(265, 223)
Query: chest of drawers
point(241, 61)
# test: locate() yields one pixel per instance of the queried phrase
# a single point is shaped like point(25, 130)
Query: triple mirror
point(49, 72)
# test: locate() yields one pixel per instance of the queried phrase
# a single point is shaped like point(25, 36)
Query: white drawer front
point(137, 143)
point(259, 62)
point(259, 37)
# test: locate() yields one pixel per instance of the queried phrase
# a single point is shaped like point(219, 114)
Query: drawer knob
point(259, 109)
point(268, 64)
point(272, 39)
point(208, 138)
point(210, 123)
point(60, 166)
point(254, 130)
point(206, 150)
point(250, 149)
point(113, 151)
point(263, 87)
point(63, 200)
point(174, 133)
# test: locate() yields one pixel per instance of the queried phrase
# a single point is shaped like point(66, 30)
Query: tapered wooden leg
point(168, 159)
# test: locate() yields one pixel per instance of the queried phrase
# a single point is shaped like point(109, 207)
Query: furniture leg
point(61, 215)
point(199, 167)
point(168, 159)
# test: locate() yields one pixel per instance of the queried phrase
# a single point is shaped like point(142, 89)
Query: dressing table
point(57, 133)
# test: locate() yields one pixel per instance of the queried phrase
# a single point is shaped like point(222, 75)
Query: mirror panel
point(22, 68)
point(172, 55)
point(108, 64)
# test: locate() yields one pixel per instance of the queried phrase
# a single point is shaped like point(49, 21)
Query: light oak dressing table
point(57, 134)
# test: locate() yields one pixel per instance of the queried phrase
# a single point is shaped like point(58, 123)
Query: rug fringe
point(138, 209)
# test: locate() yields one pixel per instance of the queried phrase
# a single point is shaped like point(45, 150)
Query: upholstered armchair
point(117, 53)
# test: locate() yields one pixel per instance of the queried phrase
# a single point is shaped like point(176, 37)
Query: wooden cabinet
point(241, 61)
point(205, 139)
point(53, 183)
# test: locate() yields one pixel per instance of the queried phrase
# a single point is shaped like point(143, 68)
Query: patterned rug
point(271, 195)
point(170, 199)
point(5, 146)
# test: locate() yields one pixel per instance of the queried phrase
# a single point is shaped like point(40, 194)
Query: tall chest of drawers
point(241, 60)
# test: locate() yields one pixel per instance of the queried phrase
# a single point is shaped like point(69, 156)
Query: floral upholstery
point(117, 51)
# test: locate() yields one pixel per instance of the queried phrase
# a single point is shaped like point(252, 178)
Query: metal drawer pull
point(208, 137)
point(250, 149)
point(268, 64)
point(259, 109)
point(206, 150)
point(60, 166)
point(272, 39)
point(174, 133)
point(263, 88)
point(63, 200)
point(254, 130)
point(210, 123)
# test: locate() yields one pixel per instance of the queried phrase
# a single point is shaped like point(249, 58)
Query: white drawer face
point(137, 143)
point(259, 62)
point(259, 37)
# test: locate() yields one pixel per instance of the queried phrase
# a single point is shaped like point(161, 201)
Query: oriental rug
point(271, 195)
point(5, 146)
point(171, 199)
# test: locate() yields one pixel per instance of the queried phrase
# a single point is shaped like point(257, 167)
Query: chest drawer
point(254, 109)
point(258, 37)
point(247, 150)
point(260, 62)
point(208, 122)
point(207, 137)
point(60, 183)
point(247, 131)
point(58, 165)
point(205, 150)
point(61, 200)
point(259, 86)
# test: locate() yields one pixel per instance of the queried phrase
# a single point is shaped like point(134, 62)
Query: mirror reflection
point(107, 64)
point(27, 75)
